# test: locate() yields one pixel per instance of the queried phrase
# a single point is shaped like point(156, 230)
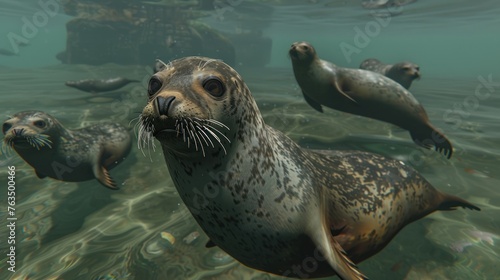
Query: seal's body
point(260, 197)
point(63, 154)
point(404, 73)
point(96, 86)
point(363, 93)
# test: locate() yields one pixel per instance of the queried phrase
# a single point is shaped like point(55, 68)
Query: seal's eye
point(6, 127)
point(306, 48)
point(154, 86)
point(40, 124)
point(214, 86)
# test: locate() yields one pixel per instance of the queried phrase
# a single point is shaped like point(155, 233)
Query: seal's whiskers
point(216, 122)
point(213, 128)
point(202, 134)
point(137, 125)
point(7, 145)
point(216, 138)
point(38, 141)
point(145, 136)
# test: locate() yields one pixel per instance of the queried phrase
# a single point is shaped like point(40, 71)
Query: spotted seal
point(404, 73)
point(63, 154)
point(363, 93)
point(103, 85)
point(259, 196)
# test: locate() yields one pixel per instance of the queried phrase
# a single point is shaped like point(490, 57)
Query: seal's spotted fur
point(263, 199)
point(67, 155)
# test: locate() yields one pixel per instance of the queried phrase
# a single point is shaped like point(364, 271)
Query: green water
point(85, 231)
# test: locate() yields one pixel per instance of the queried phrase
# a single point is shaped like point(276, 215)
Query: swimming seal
point(63, 154)
point(260, 197)
point(363, 93)
point(403, 72)
point(95, 86)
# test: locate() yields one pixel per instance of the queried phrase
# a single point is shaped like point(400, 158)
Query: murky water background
point(85, 231)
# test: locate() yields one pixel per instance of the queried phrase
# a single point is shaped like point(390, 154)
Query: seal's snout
point(164, 104)
point(18, 131)
point(417, 73)
point(293, 51)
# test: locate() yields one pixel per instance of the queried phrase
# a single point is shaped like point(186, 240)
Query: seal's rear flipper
point(429, 137)
point(102, 175)
point(450, 202)
point(313, 103)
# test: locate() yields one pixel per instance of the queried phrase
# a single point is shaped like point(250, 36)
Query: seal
point(363, 93)
point(96, 86)
point(403, 72)
point(63, 154)
point(259, 196)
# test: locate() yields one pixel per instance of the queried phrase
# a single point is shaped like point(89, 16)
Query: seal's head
point(302, 51)
point(407, 69)
point(197, 105)
point(30, 130)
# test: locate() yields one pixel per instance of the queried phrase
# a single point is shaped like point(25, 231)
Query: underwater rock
point(136, 32)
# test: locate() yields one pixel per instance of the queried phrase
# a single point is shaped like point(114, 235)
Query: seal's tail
point(429, 137)
point(451, 202)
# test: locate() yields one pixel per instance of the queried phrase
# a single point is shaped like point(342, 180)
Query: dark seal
point(260, 197)
point(404, 73)
point(363, 93)
point(63, 154)
point(96, 86)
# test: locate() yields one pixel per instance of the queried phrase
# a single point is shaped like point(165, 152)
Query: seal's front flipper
point(336, 256)
point(313, 103)
point(344, 90)
point(210, 244)
point(102, 175)
point(320, 232)
point(39, 175)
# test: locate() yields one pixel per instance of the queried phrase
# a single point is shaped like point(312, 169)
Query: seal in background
point(63, 154)
point(363, 93)
point(404, 73)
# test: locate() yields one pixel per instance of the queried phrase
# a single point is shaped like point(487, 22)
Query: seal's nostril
point(18, 131)
point(163, 104)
